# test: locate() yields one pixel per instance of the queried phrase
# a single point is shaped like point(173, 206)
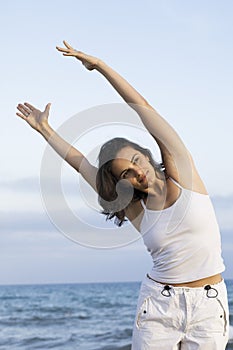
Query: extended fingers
point(25, 111)
point(68, 45)
point(62, 49)
point(29, 106)
point(67, 49)
point(71, 52)
point(21, 116)
point(66, 52)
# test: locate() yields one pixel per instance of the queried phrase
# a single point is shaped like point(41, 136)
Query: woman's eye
point(124, 174)
point(136, 160)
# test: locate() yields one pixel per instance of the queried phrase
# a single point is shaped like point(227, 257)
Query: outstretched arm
point(39, 121)
point(126, 91)
point(176, 158)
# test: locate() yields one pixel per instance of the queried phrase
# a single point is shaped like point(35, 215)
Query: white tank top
point(183, 239)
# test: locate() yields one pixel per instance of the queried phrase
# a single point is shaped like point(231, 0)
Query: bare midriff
point(199, 283)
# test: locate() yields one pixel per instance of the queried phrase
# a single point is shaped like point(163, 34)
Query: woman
point(183, 301)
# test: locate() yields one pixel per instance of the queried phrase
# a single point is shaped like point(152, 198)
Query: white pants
point(181, 318)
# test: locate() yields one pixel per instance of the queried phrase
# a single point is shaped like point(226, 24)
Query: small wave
point(123, 334)
point(36, 339)
point(12, 297)
point(124, 347)
point(40, 342)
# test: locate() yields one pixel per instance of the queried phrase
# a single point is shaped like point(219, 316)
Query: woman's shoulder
point(195, 184)
point(186, 175)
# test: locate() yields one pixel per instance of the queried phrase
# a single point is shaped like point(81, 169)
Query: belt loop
point(166, 291)
point(210, 294)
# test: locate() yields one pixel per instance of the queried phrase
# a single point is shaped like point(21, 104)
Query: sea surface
point(95, 316)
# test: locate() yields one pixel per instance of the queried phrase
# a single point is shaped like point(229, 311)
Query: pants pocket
point(143, 312)
point(223, 316)
point(213, 316)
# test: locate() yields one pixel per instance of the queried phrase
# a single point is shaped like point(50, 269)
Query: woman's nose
point(139, 172)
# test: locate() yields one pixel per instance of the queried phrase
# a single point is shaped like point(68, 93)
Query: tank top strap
point(176, 183)
point(143, 204)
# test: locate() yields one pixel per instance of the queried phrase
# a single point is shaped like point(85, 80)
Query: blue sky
point(178, 54)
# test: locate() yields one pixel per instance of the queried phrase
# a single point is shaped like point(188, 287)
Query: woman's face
point(134, 166)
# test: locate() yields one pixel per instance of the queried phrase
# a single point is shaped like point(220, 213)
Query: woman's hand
point(33, 116)
point(88, 61)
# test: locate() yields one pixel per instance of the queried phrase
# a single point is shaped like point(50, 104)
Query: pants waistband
point(162, 285)
point(177, 288)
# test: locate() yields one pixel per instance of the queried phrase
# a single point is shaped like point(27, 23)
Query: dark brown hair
point(109, 190)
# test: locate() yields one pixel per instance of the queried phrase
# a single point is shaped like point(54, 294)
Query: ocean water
point(96, 316)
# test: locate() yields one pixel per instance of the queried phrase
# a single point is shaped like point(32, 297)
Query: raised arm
point(39, 121)
point(176, 158)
